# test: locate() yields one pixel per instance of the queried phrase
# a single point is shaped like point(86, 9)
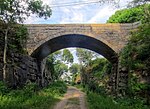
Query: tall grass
point(98, 101)
point(31, 97)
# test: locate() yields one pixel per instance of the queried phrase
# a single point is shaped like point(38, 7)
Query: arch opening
point(75, 40)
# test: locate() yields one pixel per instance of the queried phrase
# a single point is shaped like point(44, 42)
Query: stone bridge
point(105, 39)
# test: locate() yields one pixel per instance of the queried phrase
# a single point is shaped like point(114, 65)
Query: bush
point(30, 89)
point(97, 101)
point(3, 88)
point(59, 86)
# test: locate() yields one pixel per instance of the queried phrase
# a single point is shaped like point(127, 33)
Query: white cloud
point(31, 20)
point(91, 13)
point(72, 50)
point(72, 17)
point(48, 2)
point(102, 15)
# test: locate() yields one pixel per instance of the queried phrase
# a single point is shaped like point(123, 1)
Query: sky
point(80, 13)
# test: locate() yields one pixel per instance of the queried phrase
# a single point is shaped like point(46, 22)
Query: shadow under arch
point(75, 40)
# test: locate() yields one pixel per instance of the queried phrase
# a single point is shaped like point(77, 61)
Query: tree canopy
point(85, 56)
point(57, 62)
point(130, 15)
point(14, 11)
point(67, 57)
point(74, 68)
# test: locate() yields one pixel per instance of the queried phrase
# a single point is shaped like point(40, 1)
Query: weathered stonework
point(20, 69)
point(113, 35)
point(105, 39)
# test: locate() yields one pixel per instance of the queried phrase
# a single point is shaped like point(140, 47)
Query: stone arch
point(113, 35)
point(105, 39)
point(75, 40)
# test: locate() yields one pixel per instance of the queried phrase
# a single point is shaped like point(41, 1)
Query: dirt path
point(73, 99)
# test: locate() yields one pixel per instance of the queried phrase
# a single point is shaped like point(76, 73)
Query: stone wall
point(111, 86)
point(46, 76)
point(20, 69)
point(123, 81)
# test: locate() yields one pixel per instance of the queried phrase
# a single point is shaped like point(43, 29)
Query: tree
point(75, 72)
point(75, 68)
point(67, 57)
point(130, 15)
point(57, 62)
point(84, 56)
point(56, 56)
point(100, 66)
point(16, 11)
point(51, 62)
point(60, 68)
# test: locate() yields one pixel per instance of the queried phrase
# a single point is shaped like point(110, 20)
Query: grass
point(31, 97)
point(98, 101)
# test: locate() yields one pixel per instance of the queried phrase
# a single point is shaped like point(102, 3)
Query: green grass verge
point(98, 101)
point(30, 97)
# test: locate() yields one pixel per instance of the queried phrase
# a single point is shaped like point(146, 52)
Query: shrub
point(3, 88)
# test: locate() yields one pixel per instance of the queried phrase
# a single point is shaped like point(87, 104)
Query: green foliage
point(100, 101)
point(94, 75)
point(84, 56)
point(50, 66)
point(3, 88)
point(75, 72)
point(136, 53)
point(13, 11)
point(136, 86)
point(17, 37)
point(100, 66)
point(67, 57)
point(31, 97)
point(59, 86)
point(132, 103)
point(60, 68)
point(30, 88)
point(97, 101)
point(57, 63)
point(56, 67)
point(37, 7)
point(16, 11)
point(93, 70)
point(75, 68)
point(136, 58)
point(130, 15)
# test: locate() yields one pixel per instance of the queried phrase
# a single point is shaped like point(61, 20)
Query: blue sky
point(90, 13)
